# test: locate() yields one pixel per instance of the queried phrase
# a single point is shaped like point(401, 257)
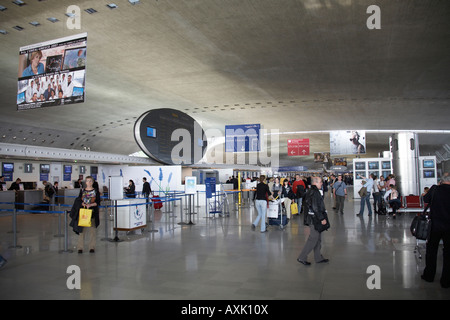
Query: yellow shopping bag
point(84, 217)
point(294, 208)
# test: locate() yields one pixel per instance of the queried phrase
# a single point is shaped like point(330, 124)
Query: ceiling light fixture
point(90, 10)
point(2, 8)
point(52, 19)
point(35, 23)
point(19, 3)
point(3, 31)
point(133, 2)
point(112, 6)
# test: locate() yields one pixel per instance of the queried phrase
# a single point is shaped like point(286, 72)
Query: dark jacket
point(287, 192)
point(439, 199)
point(262, 191)
point(313, 202)
point(130, 191)
point(74, 212)
point(146, 190)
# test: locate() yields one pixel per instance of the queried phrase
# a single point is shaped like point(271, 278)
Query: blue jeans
point(261, 207)
point(299, 204)
point(365, 200)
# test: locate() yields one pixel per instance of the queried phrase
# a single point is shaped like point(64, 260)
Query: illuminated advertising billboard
point(52, 73)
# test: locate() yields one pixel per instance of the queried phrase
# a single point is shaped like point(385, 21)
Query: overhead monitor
point(45, 168)
point(52, 73)
point(428, 163)
point(8, 167)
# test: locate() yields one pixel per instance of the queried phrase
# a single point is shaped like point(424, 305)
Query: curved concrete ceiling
point(289, 65)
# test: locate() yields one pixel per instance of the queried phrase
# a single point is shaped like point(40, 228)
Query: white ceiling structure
point(292, 66)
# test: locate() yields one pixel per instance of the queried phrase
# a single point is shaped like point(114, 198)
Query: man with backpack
point(299, 189)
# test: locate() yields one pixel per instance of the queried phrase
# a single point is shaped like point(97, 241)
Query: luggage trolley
point(275, 214)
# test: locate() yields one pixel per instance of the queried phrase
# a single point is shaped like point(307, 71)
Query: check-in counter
point(29, 196)
point(7, 196)
point(69, 196)
point(131, 217)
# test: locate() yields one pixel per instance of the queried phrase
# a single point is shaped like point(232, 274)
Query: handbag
point(294, 208)
point(362, 192)
point(84, 217)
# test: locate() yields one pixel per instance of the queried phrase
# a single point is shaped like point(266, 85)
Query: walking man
point(315, 209)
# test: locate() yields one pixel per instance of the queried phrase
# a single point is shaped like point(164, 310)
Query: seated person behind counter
point(15, 185)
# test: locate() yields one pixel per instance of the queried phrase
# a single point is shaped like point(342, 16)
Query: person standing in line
point(262, 194)
point(339, 192)
point(146, 190)
point(314, 209)
point(439, 199)
point(88, 198)
point(366, 199)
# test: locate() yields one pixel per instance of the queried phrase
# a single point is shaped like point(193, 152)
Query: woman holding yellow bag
point(89, 198)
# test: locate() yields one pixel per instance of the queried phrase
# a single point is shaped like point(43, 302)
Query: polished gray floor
point(219, 258)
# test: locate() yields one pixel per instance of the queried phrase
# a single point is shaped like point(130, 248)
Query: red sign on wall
point(298, 147)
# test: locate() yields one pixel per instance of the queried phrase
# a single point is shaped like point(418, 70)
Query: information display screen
point(52, 73)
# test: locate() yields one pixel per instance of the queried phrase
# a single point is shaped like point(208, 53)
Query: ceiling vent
point(90, 10)
point(19, 3)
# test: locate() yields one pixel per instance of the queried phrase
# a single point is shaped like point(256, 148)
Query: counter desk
point(131, 217)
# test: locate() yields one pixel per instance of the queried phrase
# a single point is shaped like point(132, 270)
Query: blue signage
point(242, 138)
point(210, 187)
point(295, 168)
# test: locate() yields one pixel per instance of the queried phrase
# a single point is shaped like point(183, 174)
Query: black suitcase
point(420, 227)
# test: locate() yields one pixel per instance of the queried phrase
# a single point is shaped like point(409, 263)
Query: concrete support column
point(405, 162)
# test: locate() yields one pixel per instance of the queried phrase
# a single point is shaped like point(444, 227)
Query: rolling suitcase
point(157, 203)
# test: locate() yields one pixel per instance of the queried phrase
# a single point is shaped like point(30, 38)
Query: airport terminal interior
point(198, 99)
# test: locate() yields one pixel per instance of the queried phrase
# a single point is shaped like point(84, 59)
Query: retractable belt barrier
point(14, 212)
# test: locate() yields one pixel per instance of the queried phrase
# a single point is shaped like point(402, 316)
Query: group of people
point(130, 190)
point(49, 88)
point(310, 199)
point(383, 191)
point(315, 213)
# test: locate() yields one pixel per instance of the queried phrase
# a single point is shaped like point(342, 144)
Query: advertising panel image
point(52, 73)
point(347, 142)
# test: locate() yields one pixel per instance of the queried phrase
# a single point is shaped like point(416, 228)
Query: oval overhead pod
point(170, 136)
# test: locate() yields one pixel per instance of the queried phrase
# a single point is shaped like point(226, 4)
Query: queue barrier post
point(66, 235)
point(59, 234)
point(14, 222)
